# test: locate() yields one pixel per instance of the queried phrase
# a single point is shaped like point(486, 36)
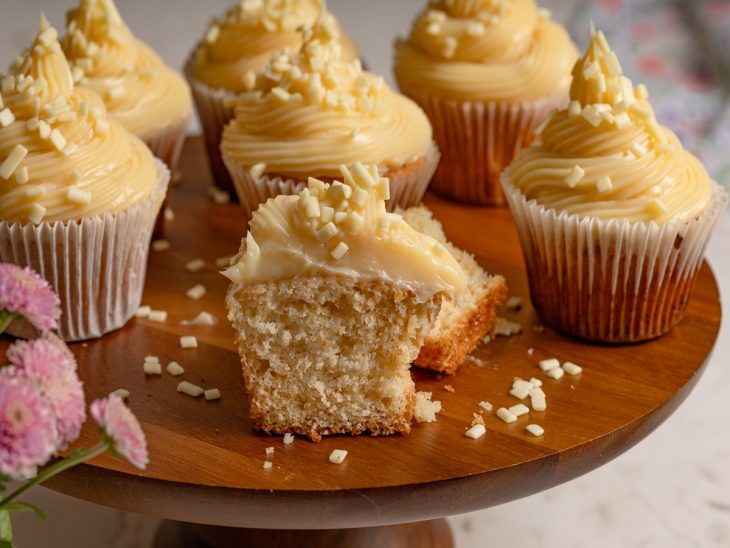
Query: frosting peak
point(310, 111)
point(140, 92)
point(60, 157)
point(606, 155)
point(343, 229)
point(485, 50)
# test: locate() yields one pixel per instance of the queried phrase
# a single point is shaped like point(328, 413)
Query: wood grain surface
point(206, 459)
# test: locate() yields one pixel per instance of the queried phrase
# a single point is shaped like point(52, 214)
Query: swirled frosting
point(60, 156)
point(310, 112)
point(140, 92)
point(343, 229)
point(485, 50)
point(240, 43)
point(606, 156)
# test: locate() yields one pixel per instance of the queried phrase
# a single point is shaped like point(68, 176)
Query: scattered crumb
point(270, 450)
point(449, 388)
point(538, 328)
point(476, 431)
point(338, 456)
point(514, 303)
point(169, 214)
point(425, 409)
point(157, 316)
point(487, 406)
point(223, 262)
point(506, 328)
point(122, 393)
point(288, 439)
point(219, 196)
point(196, 292)
point(160, 245)
point(530, 351)
point(195, 265)
point(268, 465)
point(477, 418)
point(487, 339)
point(476, 361)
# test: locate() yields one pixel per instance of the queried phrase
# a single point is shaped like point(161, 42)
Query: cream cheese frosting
point(310, 111)
point(60, 156)
point(606, 155)
point(140, 92)
point(485, 50)
point(240, 43)
point(343, 229)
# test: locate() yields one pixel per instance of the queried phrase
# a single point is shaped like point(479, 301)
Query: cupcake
point(331, 299)
point(310, 112)
point(140, 92)
point(486, 72)
point(78, 193)
point(613, 214)
point(236, 46)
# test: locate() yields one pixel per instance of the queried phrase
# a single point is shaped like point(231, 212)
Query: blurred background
point(673, 489)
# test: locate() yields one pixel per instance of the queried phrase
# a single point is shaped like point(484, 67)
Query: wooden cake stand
point(207, 461)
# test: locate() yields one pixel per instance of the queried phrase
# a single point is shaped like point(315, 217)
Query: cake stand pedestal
point(207, 460)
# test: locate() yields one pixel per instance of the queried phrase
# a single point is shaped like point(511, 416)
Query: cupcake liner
point(167, 144)
point(215, 110)
point(95, 265)
point(408, 184)
point(478, 140)
point(610, 281)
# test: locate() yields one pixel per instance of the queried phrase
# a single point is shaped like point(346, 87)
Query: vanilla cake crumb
point(425, 410)
point(268, 465)
point(288, 439)
point(487, 406)
point(270, 450)
point(449, 388)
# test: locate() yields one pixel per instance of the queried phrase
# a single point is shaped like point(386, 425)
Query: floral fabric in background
point(681, 50)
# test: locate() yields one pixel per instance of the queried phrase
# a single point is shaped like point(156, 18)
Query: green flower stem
point(61, 466)
point(5, 319)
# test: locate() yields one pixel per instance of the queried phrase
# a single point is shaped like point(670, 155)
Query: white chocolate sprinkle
point(520, 389)
point(257, 170)
point(268, 465)
point(196, 292)
point(121, 393)
point(556, 373)
point(152, 368)
point(476, 431)
point(604, 184)
point(572, 369)
point(190, 389)
point(212, 394)
point(337, 456)
point(143, 311)
point(6, 117)
point(160, 245)
point(12, 162)
point(21, 175)
point(487, 406)
point(157, 316)
point(519, 410)
point(175, 369)
point(195, 265)
point(538, 403)
point(513, 303)
point(506, 415)
point(37, 212)
point(549, 364)
point(535, 429)
point(188, 341)
point(575, 176)
point(78, 196)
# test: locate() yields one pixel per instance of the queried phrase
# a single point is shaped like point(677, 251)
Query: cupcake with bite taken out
point(237, 45)
point(613, 213)
point(486, 72)
point(140, 92)
point(78, 193)
point(310, 112)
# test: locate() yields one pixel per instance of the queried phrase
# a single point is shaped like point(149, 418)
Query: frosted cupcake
point(236, 46)
point(78, 193)
point(139, 90)
point(613, 214)
point(310, 112)
point(486, 72)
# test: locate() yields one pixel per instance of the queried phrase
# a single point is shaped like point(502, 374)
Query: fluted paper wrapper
point(96, 266)
point(610, 281)
point(477, 140)
point(407, 184)
point(168, 143)
point(215, 110)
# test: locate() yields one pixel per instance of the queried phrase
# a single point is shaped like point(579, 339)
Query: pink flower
point(49, 363)
point(24, 292)
point(122, 428)
point(28, 435)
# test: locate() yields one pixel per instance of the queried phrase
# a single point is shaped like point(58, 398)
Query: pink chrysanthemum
point(122, 428)
point(24, 292)
point(28, 435)
point(49, 363)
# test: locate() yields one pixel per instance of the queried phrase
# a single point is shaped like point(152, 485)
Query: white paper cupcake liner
point(610, 281)
point(407, 185)
point(215, 110)
point(96, 265)
point(167, 144)
point(478, 140)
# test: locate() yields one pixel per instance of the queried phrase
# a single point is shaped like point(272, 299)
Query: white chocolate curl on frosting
point(485, 50)
point(60, 156)
point(140, 92)
point(240, 43)
point(310, 111)
point(606, 155)
point(343, 229)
